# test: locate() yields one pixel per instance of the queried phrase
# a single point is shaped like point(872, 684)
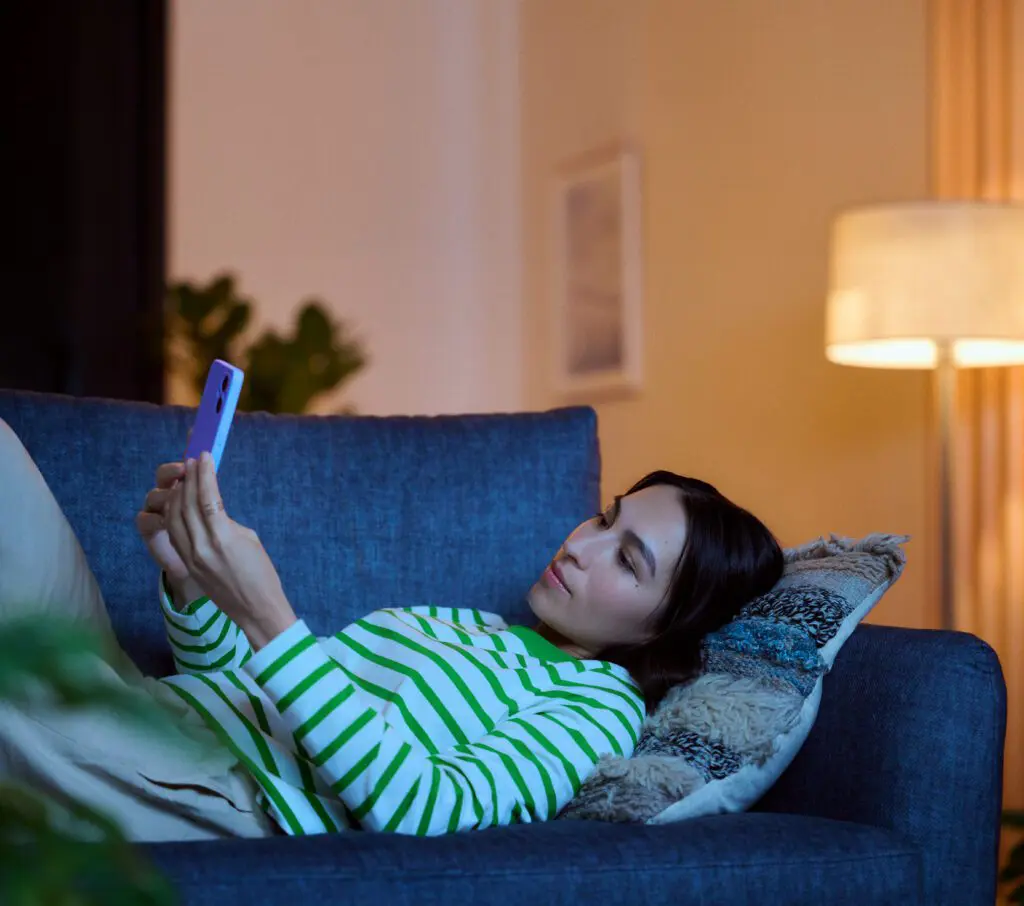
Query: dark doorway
point(86, 142)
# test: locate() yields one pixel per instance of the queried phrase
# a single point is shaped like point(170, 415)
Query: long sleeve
point(203, 639)
point(526, 768)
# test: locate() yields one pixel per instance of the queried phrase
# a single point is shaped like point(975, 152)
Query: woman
point(416, 720)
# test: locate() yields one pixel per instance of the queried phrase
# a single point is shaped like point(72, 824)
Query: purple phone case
point(215, 412)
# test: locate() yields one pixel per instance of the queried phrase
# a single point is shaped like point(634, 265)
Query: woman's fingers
point(156, 500)
point(169, 473)
point(193, 516)
point(210, 502)
point(191, 507)
point(175, 524)
point(148, 524)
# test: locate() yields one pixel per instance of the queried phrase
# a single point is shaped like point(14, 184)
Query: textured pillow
point(719, 742)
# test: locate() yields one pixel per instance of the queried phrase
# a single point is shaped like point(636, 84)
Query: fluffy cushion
point(718, 743)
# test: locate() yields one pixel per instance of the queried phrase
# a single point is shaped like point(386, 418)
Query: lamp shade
point(910, 280)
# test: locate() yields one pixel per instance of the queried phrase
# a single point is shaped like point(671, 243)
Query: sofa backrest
point(357, 513)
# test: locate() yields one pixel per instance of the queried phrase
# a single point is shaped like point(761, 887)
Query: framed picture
point(598, 281)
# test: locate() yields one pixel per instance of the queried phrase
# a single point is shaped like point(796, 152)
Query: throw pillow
point(717, 743)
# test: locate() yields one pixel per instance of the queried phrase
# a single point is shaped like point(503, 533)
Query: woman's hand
point(149, 522)
point(225, 559)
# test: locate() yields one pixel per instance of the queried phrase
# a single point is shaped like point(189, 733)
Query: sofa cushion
point(718, 743)
point(357, 513)
point(783, 860)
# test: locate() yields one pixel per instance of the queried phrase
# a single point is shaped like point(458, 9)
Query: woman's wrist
point(184, 591)
point(261, 633)
point(264, 621)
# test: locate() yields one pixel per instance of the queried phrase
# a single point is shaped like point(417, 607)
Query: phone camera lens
point(220, 403)
point(224, 384)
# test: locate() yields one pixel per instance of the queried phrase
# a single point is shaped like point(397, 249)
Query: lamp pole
point(945, 397)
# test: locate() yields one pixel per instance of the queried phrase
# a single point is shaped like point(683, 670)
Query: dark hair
point(728, 559)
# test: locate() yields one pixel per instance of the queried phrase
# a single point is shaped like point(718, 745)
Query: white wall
point(367, 152)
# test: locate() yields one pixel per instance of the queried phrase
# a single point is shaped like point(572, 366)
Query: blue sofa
point(894, 798)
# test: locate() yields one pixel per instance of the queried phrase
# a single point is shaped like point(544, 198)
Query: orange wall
point(757, 123)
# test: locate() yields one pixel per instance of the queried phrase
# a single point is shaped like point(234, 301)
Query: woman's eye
point(624, 560)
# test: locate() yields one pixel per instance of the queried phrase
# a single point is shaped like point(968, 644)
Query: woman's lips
point(553, 577)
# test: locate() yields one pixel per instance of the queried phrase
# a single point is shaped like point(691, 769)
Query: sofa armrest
point(910, 738)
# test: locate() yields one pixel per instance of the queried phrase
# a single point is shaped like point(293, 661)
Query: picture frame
point(597, 310)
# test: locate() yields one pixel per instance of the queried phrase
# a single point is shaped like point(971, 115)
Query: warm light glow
point(987, 353)
point(925, 353)
point(908, 280)
point(884, 354)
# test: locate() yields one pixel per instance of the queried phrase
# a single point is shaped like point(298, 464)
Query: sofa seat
point(728, 859)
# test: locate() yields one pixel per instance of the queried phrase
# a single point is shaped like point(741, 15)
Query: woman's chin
point(532, 597)
point(540, 600)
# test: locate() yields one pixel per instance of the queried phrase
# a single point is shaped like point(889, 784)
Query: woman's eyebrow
point(632, 538)
point(616, 507)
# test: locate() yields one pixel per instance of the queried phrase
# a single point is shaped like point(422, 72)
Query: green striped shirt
point(418, 720)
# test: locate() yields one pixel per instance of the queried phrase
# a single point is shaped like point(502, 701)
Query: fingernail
point(205, 457)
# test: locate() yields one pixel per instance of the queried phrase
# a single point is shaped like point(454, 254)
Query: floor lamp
point(936, 285)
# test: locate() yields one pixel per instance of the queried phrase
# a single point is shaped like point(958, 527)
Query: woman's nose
point(571, 549)
point(580, 547)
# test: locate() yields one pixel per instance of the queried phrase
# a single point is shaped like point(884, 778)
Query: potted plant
point(282, 373)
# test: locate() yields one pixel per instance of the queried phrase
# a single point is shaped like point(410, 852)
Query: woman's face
point(613, 572)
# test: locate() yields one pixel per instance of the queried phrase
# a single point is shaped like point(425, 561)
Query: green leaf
point(314, 330)
point(283, 373)
point(1014, 867)
point(41, 862)
point(192, 304)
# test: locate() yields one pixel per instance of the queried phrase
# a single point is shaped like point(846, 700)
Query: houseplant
point(1013, 870)
point(41, 863)
point(282, 373)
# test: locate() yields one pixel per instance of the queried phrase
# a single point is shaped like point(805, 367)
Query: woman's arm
point(527, 768)
point(203, 639)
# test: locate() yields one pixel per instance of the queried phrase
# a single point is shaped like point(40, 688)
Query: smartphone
point(216, 410)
